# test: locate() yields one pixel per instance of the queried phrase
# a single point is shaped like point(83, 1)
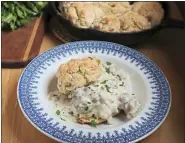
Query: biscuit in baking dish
point(120, 7)
point(153, 11)
point(82, 14)
point(113, 16)
point(132, 21)
point(108, 23)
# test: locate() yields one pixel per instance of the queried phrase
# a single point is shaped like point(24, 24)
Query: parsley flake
point(93, 123)
point(121, 84)
point(86, 108)
point(107, 70)
point(104, 82)
point(58, 112)
point(79, 70)
point(62, 119)
point(90, 58)
point(108, 63)
point(107, 88)
point(119, 77)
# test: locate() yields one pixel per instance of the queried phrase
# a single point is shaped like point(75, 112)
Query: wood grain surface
point(166, 49)
point(22, 45)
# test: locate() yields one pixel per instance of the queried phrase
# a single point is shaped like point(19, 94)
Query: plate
point(148, 83)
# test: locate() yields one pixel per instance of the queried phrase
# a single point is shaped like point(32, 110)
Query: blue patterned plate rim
point(134, 134)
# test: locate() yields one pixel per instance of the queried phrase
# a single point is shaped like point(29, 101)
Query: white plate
point(148, 83)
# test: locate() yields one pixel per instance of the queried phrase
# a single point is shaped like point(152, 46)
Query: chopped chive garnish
point(90, 58)
point(93, 123)
point(58, 112)
point(107, 88)
point(108, 63)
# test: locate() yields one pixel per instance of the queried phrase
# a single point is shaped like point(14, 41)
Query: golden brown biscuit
point(132, 22)
point(153, 11)
point(120, 7)
point(82, 14)
point(109, 23)
point(77, 73)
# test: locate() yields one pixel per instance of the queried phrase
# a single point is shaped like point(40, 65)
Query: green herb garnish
point(107, 88)
point(86, 108)
point(119, 77)
point(62, 119)
point(107, 70)
point(104, 82)
point(58, 112)
point(71, 112)
point(121, 84)
point(68, 85)
point(15, 14)
point(79, 70)
point(90, 58)
point(93, 123)
point(108, 63)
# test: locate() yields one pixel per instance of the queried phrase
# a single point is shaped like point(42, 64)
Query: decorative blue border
point(29, 80)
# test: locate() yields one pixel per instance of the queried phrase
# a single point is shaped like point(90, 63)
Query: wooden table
point(166, 49)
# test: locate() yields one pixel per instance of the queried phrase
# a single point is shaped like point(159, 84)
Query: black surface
point(181, 7)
